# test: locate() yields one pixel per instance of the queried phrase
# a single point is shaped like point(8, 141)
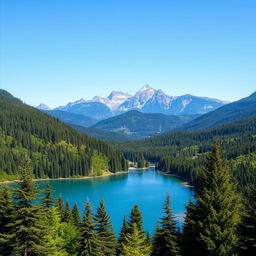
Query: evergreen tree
point(135, 243)
point(165, 241)
point(76, 215)
point(215, 216)
point(136, 217)
point(6, 218)
point(55, 234)
point(67, 217)
point(248, 225)
point(30, 230)
point(48, 200)
point(190, 231)
point(123, 232)
point(105, 232)
point(89, 244)
point(60, 207)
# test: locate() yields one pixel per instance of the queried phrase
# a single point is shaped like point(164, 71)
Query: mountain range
point(146, 100)
point(231, 112)
point(141, 115)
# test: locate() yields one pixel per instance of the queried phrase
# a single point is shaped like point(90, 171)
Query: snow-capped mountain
point(146, 100)
point(138, 100)
point(158, 103)
point(43, 106)
point(113, 101)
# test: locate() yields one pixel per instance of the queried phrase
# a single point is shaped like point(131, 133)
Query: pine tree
point(123, 232)
point(190, 231)
point(247, 229)
point(67, 217)
point(215, 216)
point(105, 232)
point(165, 241)
point(135, 243)
point(6, 218)
point(48, 200)
point(89, 244)
point(76, 215)
point(60, 207)
point(30, 230)
point(136, 217)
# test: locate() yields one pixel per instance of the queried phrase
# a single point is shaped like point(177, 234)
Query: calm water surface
point(147, 188)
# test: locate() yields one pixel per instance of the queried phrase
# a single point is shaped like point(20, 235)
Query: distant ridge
point(231, 112)
point(139, 125)
point(72, 118)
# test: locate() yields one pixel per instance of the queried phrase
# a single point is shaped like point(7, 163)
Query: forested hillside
point(101, 134)
point(56, 149)
point(184, 152)
point(139, 125)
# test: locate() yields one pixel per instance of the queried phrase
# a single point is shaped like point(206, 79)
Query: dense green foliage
point(89, 243)
point(105, 232)
point(183, 153)
point(139, 125)
point(29, 229)
point(55, 149)
point(166, 237)
point(135, 243)
point(6, 218)
point(101, 134)
point(247, 226)
point(213, 224)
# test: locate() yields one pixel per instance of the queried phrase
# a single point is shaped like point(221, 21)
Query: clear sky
point(57, 51)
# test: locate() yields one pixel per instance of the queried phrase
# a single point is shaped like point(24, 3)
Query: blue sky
point(56, 51)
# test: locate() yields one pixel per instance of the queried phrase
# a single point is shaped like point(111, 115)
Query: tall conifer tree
point(136, 217)
point(67, 217)
point(123, 232)
point(247, 229)
point(135, 243)
point(105, 232)
point(48, 200)
point(60, 207)
point(215, 216)
point(165, 241)
point(29, 229)
point(76, 215)
point(6, 218)
point(89, 244)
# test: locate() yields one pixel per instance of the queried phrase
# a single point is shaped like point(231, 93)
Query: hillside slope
point(184, 153)
point(138, 125)
point(235, 111)
point(71, 118)
point(101, 134)
point(56, 149)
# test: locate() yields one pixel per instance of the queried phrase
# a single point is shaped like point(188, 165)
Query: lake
point(147, 188)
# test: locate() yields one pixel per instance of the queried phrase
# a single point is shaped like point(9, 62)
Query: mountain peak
point(43, 106)
point(145, 88)
point(118, 94)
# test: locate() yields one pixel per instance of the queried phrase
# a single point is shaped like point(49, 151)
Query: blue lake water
point(147, 188)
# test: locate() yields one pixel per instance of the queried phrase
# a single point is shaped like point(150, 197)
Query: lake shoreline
point(70, 178)
point(183, 183)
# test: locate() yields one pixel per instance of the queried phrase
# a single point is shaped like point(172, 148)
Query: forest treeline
point(183, 153)
point(56, 150)
point(219, 222)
